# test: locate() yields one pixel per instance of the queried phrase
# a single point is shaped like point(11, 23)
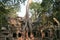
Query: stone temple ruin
point(14, 29)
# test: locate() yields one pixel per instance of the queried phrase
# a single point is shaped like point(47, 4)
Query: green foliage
point(47, 6)
point(36, 6)
point(3, 15)
point(56, 9)
point(39, 12)
point(8, 8)
point(6, 11)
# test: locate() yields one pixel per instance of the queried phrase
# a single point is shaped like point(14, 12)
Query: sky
point(22, 11)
